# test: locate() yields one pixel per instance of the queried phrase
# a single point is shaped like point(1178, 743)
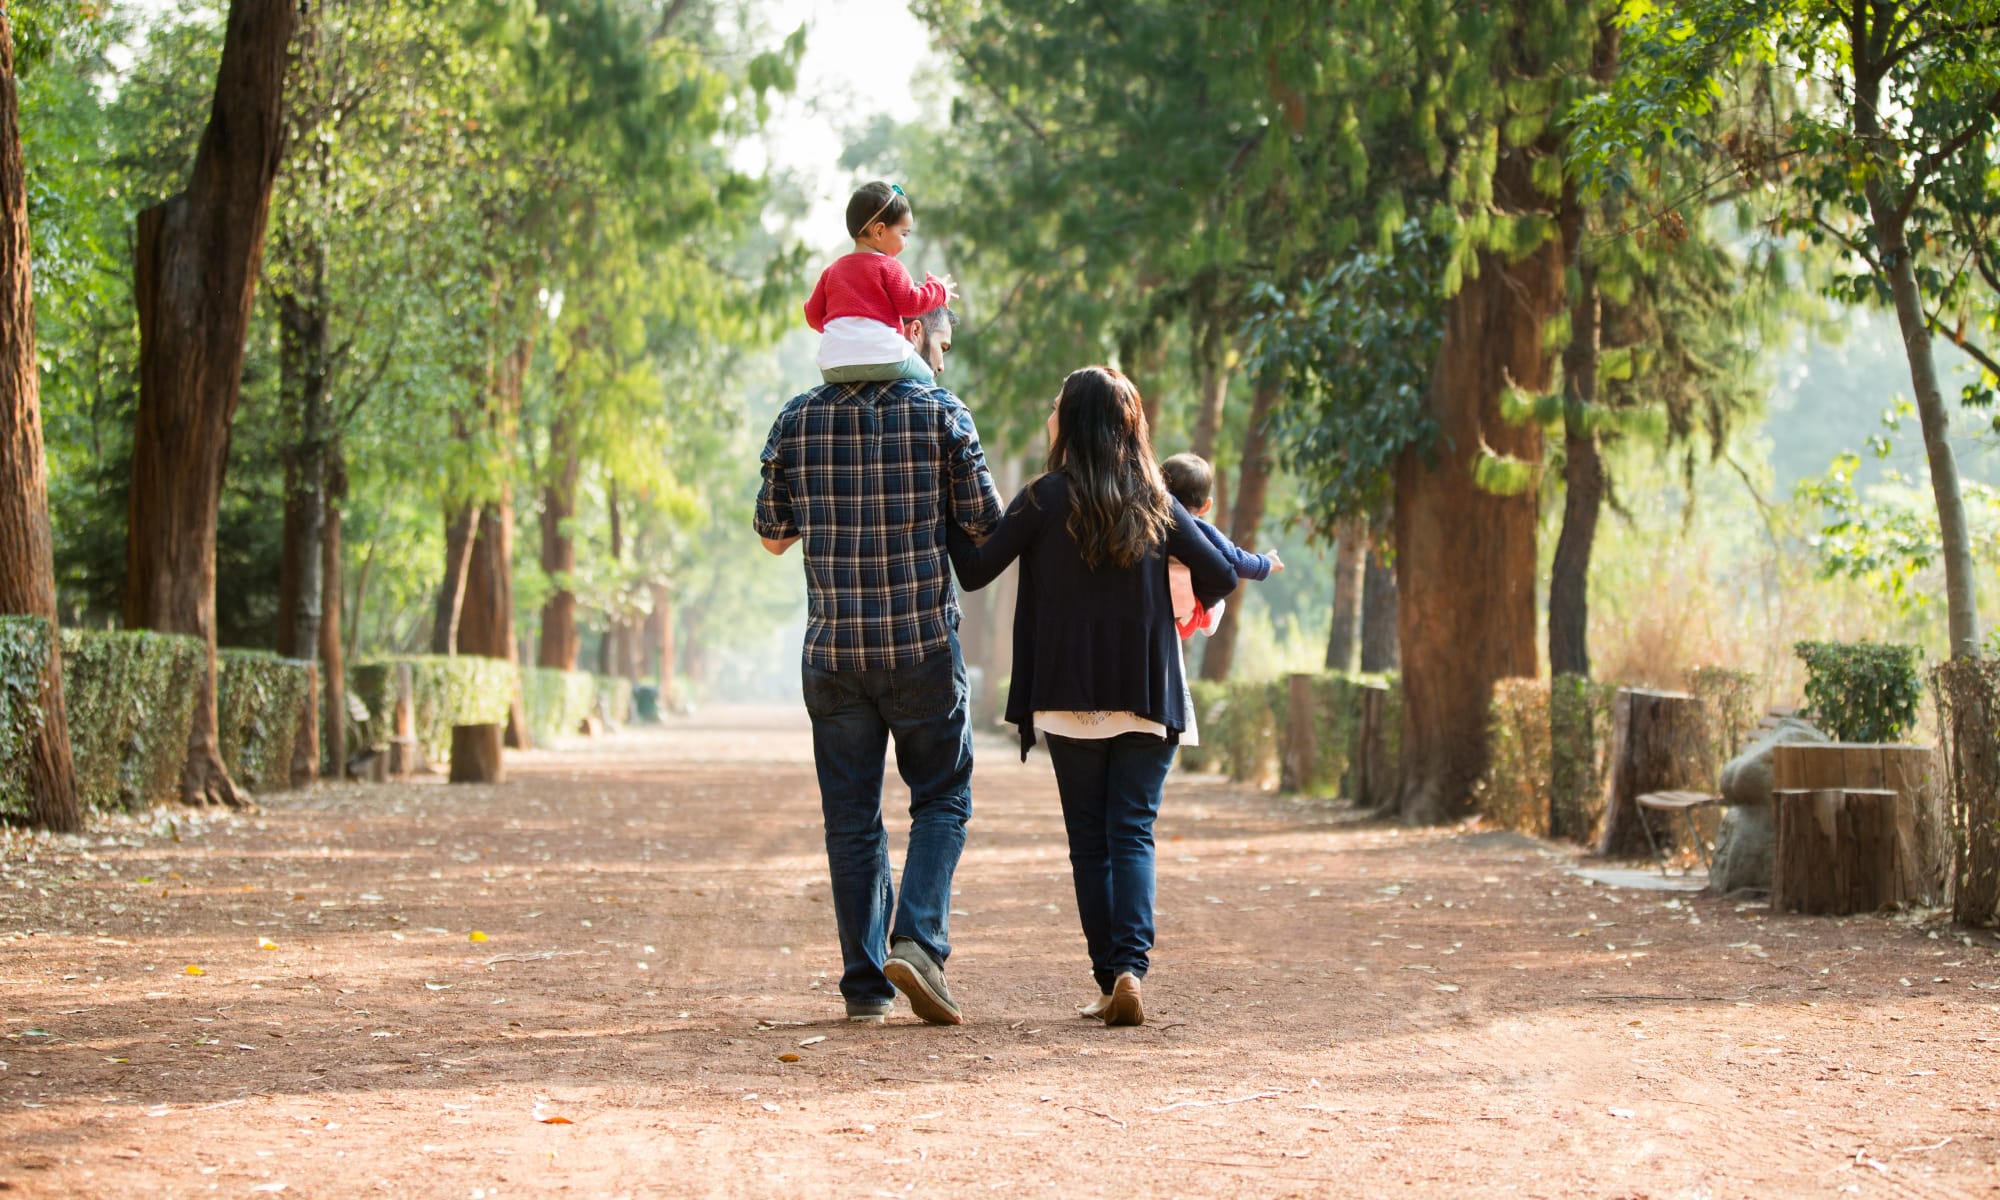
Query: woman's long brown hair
point(1119, 510)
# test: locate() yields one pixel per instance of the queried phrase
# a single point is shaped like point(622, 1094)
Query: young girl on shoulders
point(861, 301)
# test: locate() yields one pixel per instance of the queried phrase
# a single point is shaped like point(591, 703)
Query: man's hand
point(779, 545)
point(1277, 564)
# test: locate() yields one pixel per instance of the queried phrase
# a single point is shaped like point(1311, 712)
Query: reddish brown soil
point(1336, 1008)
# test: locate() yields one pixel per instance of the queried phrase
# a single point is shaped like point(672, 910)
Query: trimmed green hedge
point(129, 697)
point(447, 690)
point(557, 701)
point(260, 699)
point(24, 653)
point(614, 699)
point(1242, 727)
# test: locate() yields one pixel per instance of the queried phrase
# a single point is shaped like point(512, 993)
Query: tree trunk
point(1213, 379)
point(1583, 468)
point(558, 645)
point(27, 563)
point(1379, 650)
point(1350, 554)
point(332, 663)
point(303, 339)
point(360, 602)
point(196, 260)
point(1219, 654)
point(1889, 227)
point(1465, 558)
point(1842, 850)
point(459, 526)
point(487, 624)
point(663, 642)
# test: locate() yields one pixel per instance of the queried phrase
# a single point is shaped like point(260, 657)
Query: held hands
point(1277, 564)
point(950, 289)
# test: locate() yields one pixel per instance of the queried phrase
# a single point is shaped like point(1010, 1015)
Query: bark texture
point(1583, 466)
point(559, 639)
point(1658, 744)
point(332, 660)
point(1380, 650)
point(1889, 218)
point(305, 383)
point(197, 257)
point(1350, 554)
point(1219, 653)
point(459, 526)
point(1465, 558)
point(27, 563)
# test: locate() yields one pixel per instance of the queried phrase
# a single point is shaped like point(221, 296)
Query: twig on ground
point(1120, 1124)
point(1217, 1103)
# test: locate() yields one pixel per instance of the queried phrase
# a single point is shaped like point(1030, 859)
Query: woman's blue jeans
point(1110, 791)
point(854, 714)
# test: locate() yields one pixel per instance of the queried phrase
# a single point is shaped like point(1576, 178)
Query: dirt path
point(1337, 1008)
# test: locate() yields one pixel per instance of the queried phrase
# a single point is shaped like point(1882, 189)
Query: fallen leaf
point(269, 1187)
point(191, 969)
point(555, 1120)
point(813, 1040)
point(266, 944)
point(1622, 1113)
point(788, 1057)
point(477, 936)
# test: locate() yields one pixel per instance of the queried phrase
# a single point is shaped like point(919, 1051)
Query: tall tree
point(27, 562)
point(195, 276)
point(1891, 162)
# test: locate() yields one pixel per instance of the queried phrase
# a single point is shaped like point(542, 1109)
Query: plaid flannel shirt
point(866, 475)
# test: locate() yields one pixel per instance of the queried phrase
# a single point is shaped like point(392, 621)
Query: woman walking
point(1097, 666)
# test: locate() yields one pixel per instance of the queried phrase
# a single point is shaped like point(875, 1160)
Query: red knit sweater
point(875, 286)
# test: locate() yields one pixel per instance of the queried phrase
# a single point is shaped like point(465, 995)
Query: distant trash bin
point(646, 703)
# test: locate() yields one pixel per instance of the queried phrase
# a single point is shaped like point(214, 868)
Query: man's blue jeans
point(854, 714)
point(1110, 791)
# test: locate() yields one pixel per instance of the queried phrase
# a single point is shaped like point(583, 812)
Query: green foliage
point(446, 690)
point(129, 698)
point(1514, 793)
point(614, 699)
point(1579, 723)
point(1355, 349)
point(1729, 708)
point(557, 702)
point(1242, 727)
point(1861, 691)
point(260, 699)
point(24, 655)
point(1888, 539)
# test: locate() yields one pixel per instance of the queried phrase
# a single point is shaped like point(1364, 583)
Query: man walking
point(867, 475)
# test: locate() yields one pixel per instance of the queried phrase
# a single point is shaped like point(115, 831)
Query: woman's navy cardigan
point(1088, 640)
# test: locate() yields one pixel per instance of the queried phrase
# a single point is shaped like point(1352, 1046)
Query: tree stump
point(404, 756)
point(1656, 746)
point(1298, 761)
point(305, 743)
point(1910, 772)
point(475, 754)
point(1373, 775)
point(1844, 850)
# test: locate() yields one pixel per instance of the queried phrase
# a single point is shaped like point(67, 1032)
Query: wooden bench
point(1677, 802)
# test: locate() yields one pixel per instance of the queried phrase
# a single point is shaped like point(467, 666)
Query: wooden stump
point(1656, 746)
point(1910, 772)
point(305, 743)
point(1298, 761)
point(475, 754)
point(1843, 850)
point(1373, 775)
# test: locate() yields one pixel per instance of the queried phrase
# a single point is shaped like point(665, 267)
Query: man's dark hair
point(872, 202)
point(939, 320)
point(1189, 479)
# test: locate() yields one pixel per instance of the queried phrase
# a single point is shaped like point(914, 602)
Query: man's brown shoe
point(1125, 1008)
